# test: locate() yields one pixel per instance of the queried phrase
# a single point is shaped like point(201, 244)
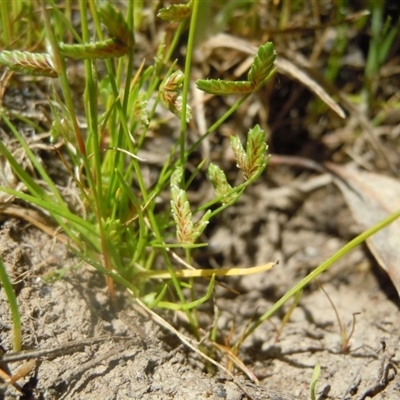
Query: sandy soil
point(95, 352)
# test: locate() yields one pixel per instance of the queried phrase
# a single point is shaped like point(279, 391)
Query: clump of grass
point(121, 232)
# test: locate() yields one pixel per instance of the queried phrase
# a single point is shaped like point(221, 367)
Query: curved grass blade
point(84, 227)
point(319, 270)
point(193, 304)
point(12, 300)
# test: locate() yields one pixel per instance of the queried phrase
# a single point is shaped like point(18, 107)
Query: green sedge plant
point(121, 232)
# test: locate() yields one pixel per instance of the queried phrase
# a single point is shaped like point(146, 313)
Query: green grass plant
point(123, 232)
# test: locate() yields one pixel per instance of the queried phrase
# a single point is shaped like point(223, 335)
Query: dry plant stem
point(35, 218)
point(188, 266)
point(345, 338)
point(22, 371)
point(366, 125)
point(353, 327)
point(236, 361)
point(61, 349)
point(288, 314)
point(193, 273)
point(306, 163)
point(277, 159)
point(7, 378)
point(290, 69)
point(362, 120)
point(185, 340)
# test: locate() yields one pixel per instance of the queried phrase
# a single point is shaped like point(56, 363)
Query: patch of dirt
point(84, 349)
point(95, 352)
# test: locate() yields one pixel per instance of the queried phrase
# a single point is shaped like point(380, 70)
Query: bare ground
point(100, 353)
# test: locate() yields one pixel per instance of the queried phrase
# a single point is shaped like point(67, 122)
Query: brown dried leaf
point(372, 197)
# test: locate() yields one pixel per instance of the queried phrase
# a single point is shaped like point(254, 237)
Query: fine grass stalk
point(12, 301)
point(318, 271)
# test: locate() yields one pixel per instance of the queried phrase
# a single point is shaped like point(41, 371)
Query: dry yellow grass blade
point(196, 273)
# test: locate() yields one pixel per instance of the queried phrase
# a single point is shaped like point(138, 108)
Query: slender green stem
point(319, 270)
point(120, 138)
point(59, 66)
point(238, 190)
point(12, 300)
point(33, 186)
point(142, 225)
point(171, 270)
point(218, 123)
point(91, 108)
point(117, 278)
point(131, 53)
point(186, 81)
point(195, 316)
point(182, 140)
point(84, 227)
point(158, 71)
